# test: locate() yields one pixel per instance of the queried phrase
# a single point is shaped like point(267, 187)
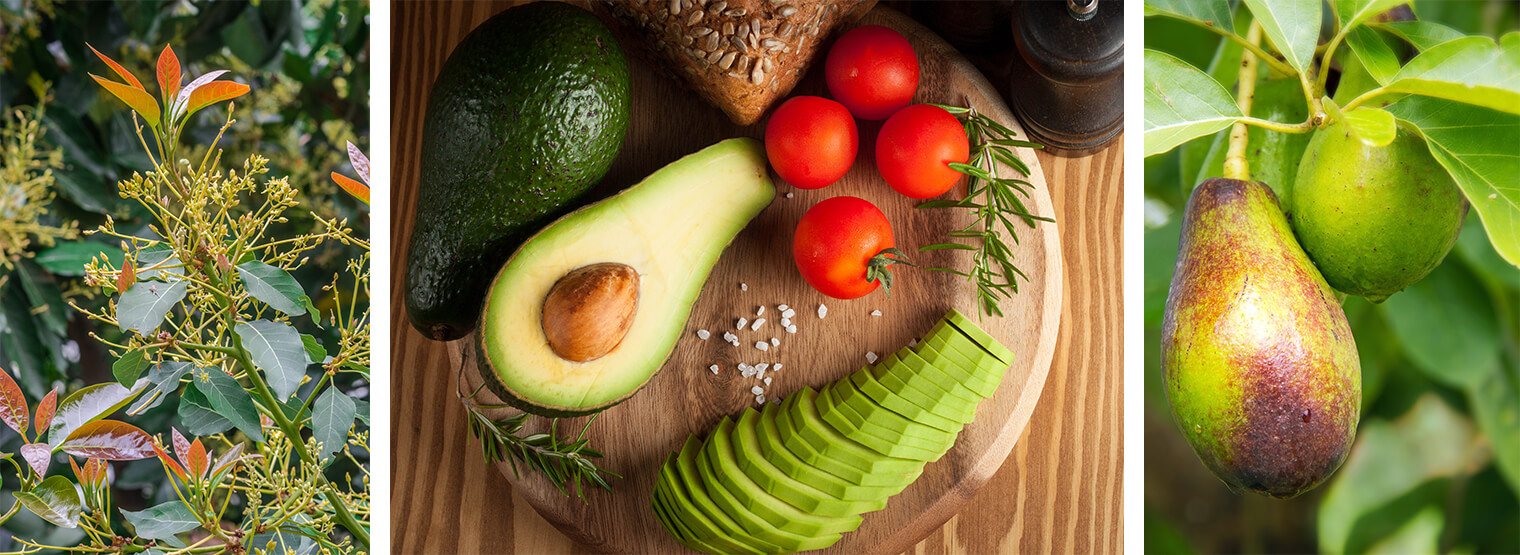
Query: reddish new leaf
point(45, 411)
point(127, 277)
point(360, 162)
point(181, 445)
point(136, 99)
point(179, 471)
point(168, 74)
point(94, 472)
point(231, 457)
point(355, 188)
point(212, 93)
point(37, 456)
point(120, 71)
point(77, 472)
point(110, 440)
point(12, 404)
point(198, 462)
point(177, 108)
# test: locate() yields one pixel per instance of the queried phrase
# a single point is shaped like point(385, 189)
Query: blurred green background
point(308, 66)
point(1436, 464)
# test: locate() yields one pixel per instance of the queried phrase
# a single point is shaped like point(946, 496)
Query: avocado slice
point(670, 229)
point(725, 532)
point(661, 499)
point(527, 113)
point(867, 384)
point(862, 499)
point(817, 443)
point(981, 337)
point(923, 395)
point(982, 376)
point(974, 354)
point(780, 494)
point(757, 464)
point(881, 419)
point(746, 503)
point(838, 413)
point(915, 372)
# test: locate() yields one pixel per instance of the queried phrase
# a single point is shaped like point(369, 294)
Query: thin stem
point(1252, 46)
point(1363, 98)
point(1295, 128)
point(1324, 63)
point(1235, 164)
point(293, 432)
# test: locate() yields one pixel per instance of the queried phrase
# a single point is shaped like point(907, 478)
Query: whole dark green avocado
point(527, 113)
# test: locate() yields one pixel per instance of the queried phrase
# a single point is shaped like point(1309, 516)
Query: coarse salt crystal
point(788, 313)
point(776, 368)
point(870, 357)
point(876, 313)
point(756, 325)
point(786, 322)
point(776, 401)
point(775, 341)
point(822, 311)
point(767, 381)
point(913, 343)
point(742, 323)
point(730, 337)
point(781, 307)
point(757, 390)
point(760, 311)
point(762, 345)
point(714, 368)
point(744, 287)
point(792, 328)
point(703, 335)
point(759, 399)
point(762, 366)
point(759, 374)
point(788, 195)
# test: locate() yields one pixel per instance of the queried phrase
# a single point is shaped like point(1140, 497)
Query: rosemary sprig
point(557, 459)
point(992, 198)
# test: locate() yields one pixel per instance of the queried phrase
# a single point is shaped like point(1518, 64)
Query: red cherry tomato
point(835, 243)
point(873, 71)
point(915, 148)
point(811, 141)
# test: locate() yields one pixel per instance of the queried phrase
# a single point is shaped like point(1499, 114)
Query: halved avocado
point(862, 499)
point(756, 463)
point(727, 534)
point(837, 413)
point(669, 229)
point(737, 501)
point(763, 499)
point(817, 443)
point(868, 385)
point(980, 336)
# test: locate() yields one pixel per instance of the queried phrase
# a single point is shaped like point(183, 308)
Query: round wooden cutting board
point(686, 398)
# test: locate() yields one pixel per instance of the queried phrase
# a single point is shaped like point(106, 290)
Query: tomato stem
point(877, 267)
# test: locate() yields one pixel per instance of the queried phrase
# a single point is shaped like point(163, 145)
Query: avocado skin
point(527, 113)
point(1257, 358)
point(1375, 219)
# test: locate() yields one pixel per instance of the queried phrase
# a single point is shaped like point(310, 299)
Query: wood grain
point(1059, 493)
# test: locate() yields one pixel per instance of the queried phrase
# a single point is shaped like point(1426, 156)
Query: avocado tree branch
point(1235, 164)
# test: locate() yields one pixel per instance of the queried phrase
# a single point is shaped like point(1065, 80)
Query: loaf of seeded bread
point(741, 55)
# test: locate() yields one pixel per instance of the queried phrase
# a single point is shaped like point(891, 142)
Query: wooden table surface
point(1060, 490)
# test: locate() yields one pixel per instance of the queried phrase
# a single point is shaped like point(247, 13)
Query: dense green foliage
point(1436, 464)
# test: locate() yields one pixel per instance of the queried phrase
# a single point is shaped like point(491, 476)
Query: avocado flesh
point(881, 419)
point(853, 425)
point(868, 385)
point(818, 443)
point(963, 324)
point(727, 533)
point(527, 113)
point(978, 361)
point(780, 500)
point(670, 228)
point(662, 499)
point(755, 461)
point(862, 499)
point(753, 525)
point(913, 371)
point(978, 380)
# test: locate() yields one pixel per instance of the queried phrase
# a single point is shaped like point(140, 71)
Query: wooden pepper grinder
point(1068, 79)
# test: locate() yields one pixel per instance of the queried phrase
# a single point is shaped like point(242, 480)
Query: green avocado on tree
point(526, 115)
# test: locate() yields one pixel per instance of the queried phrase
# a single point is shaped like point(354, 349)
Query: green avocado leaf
point(1182, 103)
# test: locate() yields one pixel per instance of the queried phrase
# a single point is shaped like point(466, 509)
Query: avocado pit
point(589, 310)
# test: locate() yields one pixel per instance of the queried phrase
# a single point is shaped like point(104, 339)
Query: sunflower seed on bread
point(743, 56)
